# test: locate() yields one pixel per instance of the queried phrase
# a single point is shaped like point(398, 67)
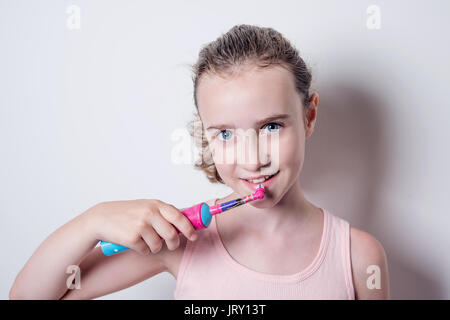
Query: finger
point(167, 231)
point(139, 245)
point(152, 239)
point(179, 220)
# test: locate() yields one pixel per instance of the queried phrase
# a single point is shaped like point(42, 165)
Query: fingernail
point(193, 237)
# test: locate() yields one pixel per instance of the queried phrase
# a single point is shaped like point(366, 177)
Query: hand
point(141, 225)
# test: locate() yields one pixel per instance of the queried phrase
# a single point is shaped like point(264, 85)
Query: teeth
point(257, 180)
point(262, 179)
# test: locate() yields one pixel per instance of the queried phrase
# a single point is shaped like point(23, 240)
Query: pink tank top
point(207, 270)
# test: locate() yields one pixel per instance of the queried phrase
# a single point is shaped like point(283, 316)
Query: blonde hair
point(243, 45)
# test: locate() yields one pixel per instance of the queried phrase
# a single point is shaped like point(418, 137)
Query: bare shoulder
point(369, 266)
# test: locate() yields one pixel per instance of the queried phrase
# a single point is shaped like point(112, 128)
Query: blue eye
point(227, 135)
point(220, 134)
point(278, 126)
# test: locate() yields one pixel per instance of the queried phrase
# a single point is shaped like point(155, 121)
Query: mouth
point(265, 181)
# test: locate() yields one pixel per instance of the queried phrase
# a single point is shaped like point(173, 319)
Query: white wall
point(87, 115)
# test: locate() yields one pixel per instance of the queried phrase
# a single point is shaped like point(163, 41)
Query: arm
point(44, 275)
point(369, 267)
point(99, 274)
point(102, 275)
point(130, 222)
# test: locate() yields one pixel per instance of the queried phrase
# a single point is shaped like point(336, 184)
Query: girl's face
point(254, 123)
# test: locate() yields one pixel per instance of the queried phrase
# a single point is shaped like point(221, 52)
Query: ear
point(311, 114)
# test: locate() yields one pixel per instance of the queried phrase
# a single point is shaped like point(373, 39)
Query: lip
point(254, 178)
point(266, 183)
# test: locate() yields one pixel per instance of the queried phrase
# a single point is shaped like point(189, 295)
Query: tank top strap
point(339, 252)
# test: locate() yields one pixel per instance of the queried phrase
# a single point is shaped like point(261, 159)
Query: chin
point(265, 203)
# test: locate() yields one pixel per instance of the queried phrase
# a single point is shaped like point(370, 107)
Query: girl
point(250, 79)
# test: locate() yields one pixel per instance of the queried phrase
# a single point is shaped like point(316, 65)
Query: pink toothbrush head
point(259, 193)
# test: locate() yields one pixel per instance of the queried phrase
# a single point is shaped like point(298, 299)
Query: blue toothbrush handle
point(109, 248)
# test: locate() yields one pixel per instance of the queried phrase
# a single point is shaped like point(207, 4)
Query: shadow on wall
point(348, 160)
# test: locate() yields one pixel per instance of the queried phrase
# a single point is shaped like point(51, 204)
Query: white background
point(87, 115)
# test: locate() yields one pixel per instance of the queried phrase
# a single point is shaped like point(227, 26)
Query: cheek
point(223, 158)
point(223, 154)
point(292, 148)
point(225, 171)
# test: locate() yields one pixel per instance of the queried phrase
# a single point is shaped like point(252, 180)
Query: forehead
point(248, 93)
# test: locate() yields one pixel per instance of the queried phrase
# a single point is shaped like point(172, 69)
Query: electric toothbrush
point(199, 215)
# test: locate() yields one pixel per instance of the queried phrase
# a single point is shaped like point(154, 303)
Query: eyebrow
point(270, 118)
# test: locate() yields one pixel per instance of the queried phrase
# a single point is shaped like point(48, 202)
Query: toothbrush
point(199, 215)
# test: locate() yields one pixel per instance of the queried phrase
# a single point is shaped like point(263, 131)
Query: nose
point(250, 156)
